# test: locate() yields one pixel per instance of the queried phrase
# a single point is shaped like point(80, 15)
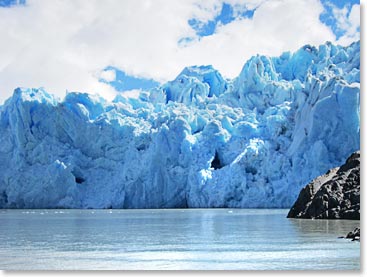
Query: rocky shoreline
point(334, 195)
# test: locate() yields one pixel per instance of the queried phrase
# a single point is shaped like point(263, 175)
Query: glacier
point(198, 141)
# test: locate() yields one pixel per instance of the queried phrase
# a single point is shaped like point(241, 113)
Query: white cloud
point(277, 26)
point(348, 22)
point(134, 93)
point(63, 45)
point(108, 75)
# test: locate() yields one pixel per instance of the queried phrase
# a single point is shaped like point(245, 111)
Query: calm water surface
point(173, 239)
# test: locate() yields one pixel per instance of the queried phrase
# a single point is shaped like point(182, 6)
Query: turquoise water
point(173, 239)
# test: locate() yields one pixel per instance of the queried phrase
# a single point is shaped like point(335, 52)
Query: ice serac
point(198, 141)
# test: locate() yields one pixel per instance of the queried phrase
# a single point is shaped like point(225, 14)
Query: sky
point(118, 46)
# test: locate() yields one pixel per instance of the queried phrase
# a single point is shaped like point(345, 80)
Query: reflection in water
point(173, 239)
point(332, 227)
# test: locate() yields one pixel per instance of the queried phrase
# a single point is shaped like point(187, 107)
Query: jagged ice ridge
point(197, 141)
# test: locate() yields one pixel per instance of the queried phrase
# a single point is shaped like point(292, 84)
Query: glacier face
point(197, 141)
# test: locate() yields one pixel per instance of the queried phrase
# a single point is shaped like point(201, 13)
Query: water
point(173, 239)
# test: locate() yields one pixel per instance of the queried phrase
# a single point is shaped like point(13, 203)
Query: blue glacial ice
point(198, 141)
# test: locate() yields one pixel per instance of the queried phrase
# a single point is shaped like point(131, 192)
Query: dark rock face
point(334, 195)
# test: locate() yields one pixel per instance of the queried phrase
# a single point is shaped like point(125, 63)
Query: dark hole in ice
point(4, 197)
point(141, 147)
point(251, 170)
point(216, 163)
point(79, 180)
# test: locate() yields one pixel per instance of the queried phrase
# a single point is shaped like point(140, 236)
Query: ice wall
point(198, 141)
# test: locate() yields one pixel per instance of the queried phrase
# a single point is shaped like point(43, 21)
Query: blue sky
point(9, 3)
point(125, 82)
point(226, 16)
point(328, 17)
point(72, 44)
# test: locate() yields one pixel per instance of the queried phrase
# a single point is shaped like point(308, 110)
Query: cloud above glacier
point(66, 45)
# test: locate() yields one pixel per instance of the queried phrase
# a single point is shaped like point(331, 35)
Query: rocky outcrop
point(354, 235)
point(334, 195)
